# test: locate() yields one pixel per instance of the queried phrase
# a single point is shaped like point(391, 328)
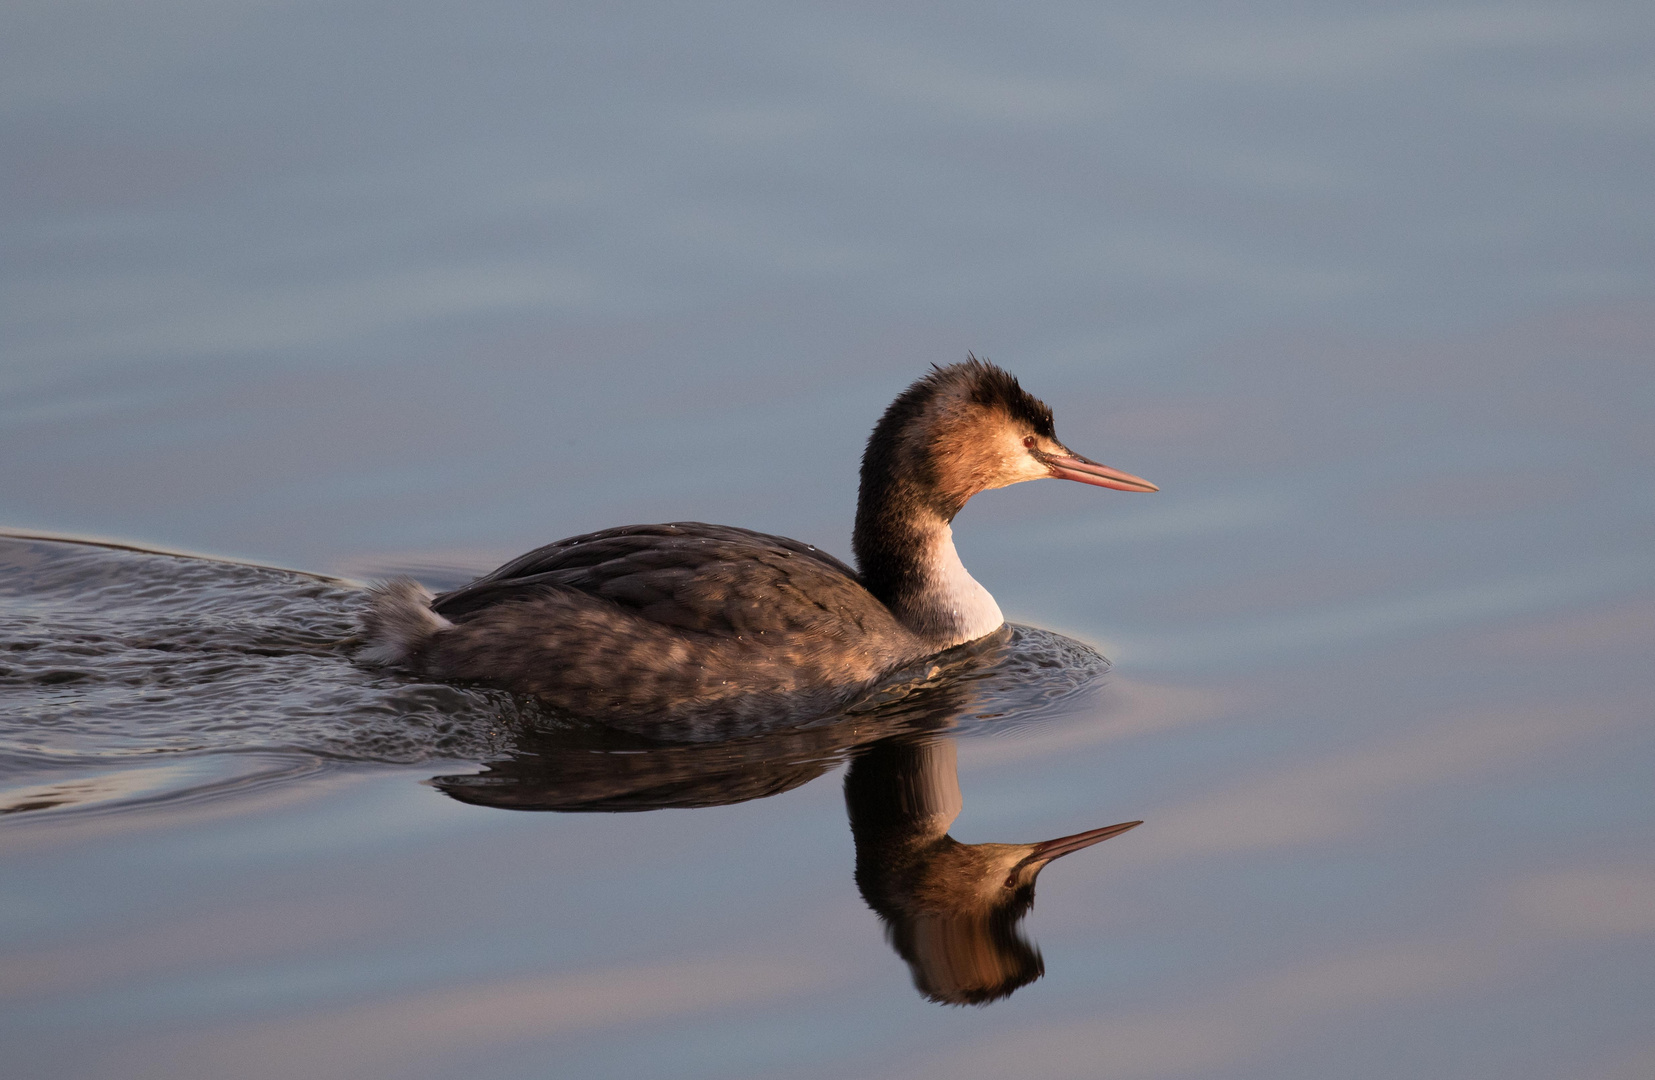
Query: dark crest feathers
point(990, 385)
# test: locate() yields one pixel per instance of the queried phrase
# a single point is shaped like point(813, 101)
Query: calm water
point(1368, 290)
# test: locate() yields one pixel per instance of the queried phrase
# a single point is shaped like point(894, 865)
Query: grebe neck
point(908, 561)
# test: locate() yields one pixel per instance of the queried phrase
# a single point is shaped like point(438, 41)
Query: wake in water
point(131, 676)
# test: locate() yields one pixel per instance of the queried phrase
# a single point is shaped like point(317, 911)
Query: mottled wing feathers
point(706, 578)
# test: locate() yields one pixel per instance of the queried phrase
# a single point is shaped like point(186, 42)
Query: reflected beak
point(1064, 845)
point(1024, 872)
point(1087, 471)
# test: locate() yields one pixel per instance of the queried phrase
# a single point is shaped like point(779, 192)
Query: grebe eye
point(1028, 441)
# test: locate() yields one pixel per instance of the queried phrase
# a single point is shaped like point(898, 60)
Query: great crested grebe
point(701, 630)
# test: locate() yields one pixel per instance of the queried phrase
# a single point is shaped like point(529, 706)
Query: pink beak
point(1074, 467)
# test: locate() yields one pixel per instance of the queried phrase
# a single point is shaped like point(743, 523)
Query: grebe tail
point(398, 622)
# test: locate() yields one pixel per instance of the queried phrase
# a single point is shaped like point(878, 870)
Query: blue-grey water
point(327, 292)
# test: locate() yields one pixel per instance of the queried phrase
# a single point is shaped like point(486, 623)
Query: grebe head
point(961, 429)
point(970, 427)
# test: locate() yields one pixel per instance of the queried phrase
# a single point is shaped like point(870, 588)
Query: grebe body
point(696, 630)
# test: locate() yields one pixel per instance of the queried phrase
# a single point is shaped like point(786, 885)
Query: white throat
point(954, 597)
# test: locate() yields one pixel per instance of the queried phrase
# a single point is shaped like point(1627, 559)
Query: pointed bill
point(1087, 471)
point(1064, 845)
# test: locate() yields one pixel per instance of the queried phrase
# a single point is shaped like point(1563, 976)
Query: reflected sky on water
point(1368, 290)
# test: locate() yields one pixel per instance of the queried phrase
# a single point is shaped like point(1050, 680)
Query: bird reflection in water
point(951, 910)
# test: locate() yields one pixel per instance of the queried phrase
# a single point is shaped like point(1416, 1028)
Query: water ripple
point(233, 673)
